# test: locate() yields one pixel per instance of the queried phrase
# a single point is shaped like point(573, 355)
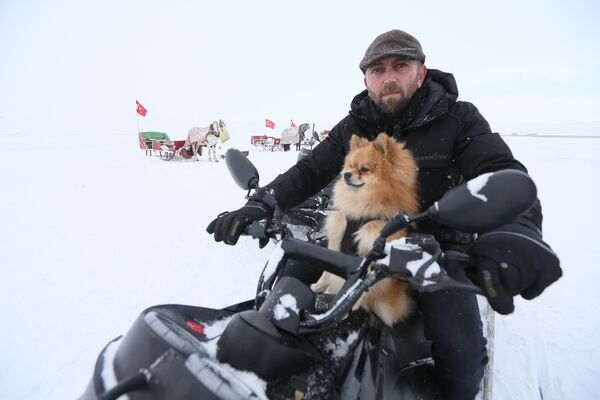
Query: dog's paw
point(328, 283)
point(315, 287)
point(335, 284)
point(321, 285)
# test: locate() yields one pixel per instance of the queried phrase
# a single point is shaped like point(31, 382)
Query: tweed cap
point(392, 43)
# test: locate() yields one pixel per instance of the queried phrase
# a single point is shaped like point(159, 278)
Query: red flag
point(140, 109)
point(292, 124)
point(269, 123)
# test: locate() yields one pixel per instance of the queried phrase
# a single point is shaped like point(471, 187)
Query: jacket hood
point(442, 92)
point(446, 80)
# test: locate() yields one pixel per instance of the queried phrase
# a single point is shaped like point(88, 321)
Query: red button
point(195, 326)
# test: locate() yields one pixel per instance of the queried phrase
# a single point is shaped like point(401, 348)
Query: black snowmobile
point(287, 342)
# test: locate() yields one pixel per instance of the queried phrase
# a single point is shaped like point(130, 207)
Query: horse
point(212, 139)
point(217, 131)
point(209, 137)
point(196, 138)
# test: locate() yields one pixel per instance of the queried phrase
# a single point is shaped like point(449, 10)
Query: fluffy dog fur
point(379, 178)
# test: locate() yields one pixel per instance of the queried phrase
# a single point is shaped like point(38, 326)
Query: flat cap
point(392, 43)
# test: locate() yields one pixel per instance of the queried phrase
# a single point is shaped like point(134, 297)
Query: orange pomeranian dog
point(379, 179)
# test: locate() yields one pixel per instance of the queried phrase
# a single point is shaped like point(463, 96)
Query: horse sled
point(265, 143)
point(160, 144)
point(296, 136)
point(190, 148)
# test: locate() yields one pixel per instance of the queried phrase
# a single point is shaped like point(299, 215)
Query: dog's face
point(360, 169)
point(377, 175)
point(372, 164)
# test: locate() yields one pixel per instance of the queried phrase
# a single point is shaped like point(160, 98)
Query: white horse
point(200, 137)
point(215, 130)
point(212, 139)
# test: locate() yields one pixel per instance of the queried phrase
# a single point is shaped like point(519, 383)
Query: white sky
point(78, 66)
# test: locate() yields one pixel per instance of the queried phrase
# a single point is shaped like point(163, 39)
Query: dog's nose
point(347, 175)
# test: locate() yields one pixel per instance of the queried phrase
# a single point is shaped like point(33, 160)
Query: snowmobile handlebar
point(335, 262)
point(475, 206)
point(414, 261)
point(423, 274)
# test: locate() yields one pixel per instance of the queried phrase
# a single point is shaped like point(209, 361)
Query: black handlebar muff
point(332, 261)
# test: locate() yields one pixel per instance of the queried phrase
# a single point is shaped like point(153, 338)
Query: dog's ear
point(357, 142)
point(384, 145)
point(396, 153)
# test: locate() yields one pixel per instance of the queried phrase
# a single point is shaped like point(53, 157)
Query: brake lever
point(444, 282)
point(435, 282)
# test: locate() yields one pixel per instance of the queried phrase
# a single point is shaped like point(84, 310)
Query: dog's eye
point(364, 170)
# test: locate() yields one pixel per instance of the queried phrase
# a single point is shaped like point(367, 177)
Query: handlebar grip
point(257, 229)
point(337, 263)
point(459, 259)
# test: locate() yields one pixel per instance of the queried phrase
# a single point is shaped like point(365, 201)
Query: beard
point(393, 106)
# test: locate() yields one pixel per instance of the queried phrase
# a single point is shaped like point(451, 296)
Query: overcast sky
point(78, 66)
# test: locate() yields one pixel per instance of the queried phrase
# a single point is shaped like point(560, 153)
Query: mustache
point(391, 89)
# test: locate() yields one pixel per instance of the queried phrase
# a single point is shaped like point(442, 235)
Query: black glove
point(228, 226)
point(510, 262)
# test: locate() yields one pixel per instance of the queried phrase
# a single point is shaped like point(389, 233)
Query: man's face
point(392, 81)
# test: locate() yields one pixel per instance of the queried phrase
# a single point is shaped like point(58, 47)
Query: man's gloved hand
point(228, 226)
point(510, 262)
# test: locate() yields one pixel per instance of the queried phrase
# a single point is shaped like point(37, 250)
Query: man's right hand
point(228, 226)
point(511, 261)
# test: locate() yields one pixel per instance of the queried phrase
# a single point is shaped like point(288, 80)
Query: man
point(451, 142)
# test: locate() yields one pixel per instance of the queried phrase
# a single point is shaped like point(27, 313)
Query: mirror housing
point(485, 202)
point(241, 169)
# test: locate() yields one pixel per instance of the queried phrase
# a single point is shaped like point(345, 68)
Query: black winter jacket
point(449, 139)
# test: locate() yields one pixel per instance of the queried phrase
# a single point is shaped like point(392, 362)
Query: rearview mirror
point(241, 169)
point(485, 202)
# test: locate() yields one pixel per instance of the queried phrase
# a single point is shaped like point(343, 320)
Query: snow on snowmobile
point(290, 343)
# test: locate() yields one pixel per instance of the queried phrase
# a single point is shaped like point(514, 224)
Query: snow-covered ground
point(93, 232)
